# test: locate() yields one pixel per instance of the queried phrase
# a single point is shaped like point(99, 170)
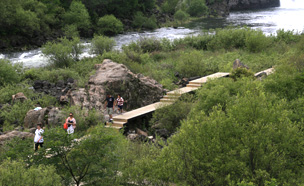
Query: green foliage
point(287, 36)
point(194, 64)
point(140, 21)
point(256, 41)
point(23, 17)
point(170, 117)
point(109, 25)
point(169, 6)
point(17, 149)
point(101, 44)
point(8, 72)
point(64, 52)
point(16, 173)
point(78, 15)
point(181, 16)
point(91, 159)
point(197, 8)
point(253, 140)
point(70, 31)
point(240, 73)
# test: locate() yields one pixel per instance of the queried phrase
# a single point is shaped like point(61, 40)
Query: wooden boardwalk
point(120, 120)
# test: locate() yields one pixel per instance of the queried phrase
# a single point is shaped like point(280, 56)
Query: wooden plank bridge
point(120, 120)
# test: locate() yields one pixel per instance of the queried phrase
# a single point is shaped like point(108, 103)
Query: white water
point(288, 17)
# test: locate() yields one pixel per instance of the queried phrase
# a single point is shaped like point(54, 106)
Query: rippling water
point(288, 16)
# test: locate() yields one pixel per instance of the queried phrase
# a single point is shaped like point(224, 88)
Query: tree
point(109, 25)
point(181, 16)
point(197, 8)
point(17, 173)
point(91, 159)
point(253, 140)
point(62, 53)
point(78, 15)
point(8, 72)
point(101, 44)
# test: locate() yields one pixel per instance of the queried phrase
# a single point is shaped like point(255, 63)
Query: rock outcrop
point(19, 97)
point(114, 78)
point(13, 134)
point(238, 64)
point(252, 4)
point(58, 90)
point(47, 116)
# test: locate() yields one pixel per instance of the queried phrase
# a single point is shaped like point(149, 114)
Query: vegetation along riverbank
point(233, 131)
point(29, 24)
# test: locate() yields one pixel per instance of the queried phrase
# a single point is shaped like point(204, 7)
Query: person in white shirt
point(71, 121)
point(119, 102)
point(38, 139)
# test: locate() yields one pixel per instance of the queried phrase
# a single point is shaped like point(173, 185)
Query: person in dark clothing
point(109, 104)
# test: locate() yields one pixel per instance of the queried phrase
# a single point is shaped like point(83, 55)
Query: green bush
point(194, 64)
point(78, 15)
point(287, 36)
point(170, 117)
point(256, 41)
point(63, 53)
point(109, 25)
point(17, 173)
point(8, 72)
point(240, 73)
point(197, 8)
point(181, 16)
point(228, 39)
point(141, 21)
point(101, 44)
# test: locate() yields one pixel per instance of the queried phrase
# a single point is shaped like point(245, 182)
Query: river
point(288, 17)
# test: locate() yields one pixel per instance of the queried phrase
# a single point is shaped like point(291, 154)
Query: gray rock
point(115, 78)
point(13, 134)
point(238, 64)
point(47, 116)
point(19, 97)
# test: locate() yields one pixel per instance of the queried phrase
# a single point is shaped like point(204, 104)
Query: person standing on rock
point(38, 139)
point(119, 102)
point(109, 104)
point(71, 122)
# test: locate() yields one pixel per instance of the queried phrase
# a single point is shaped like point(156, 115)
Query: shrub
point(101, 44)
point(287, 36)
point(8, 72)
point(109, 25)
point(181, 16)
point(141, 21)
point(197, 8)
point(256, 41)
point(17, 173)
point(241, 72)
point(170, 117)
point(78, 15)
point(62, 53)
point(228, 39)
point(194, 64)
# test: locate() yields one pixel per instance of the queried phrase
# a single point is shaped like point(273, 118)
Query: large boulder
point(13, 134)
point(110, 77)
point(46, 116)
